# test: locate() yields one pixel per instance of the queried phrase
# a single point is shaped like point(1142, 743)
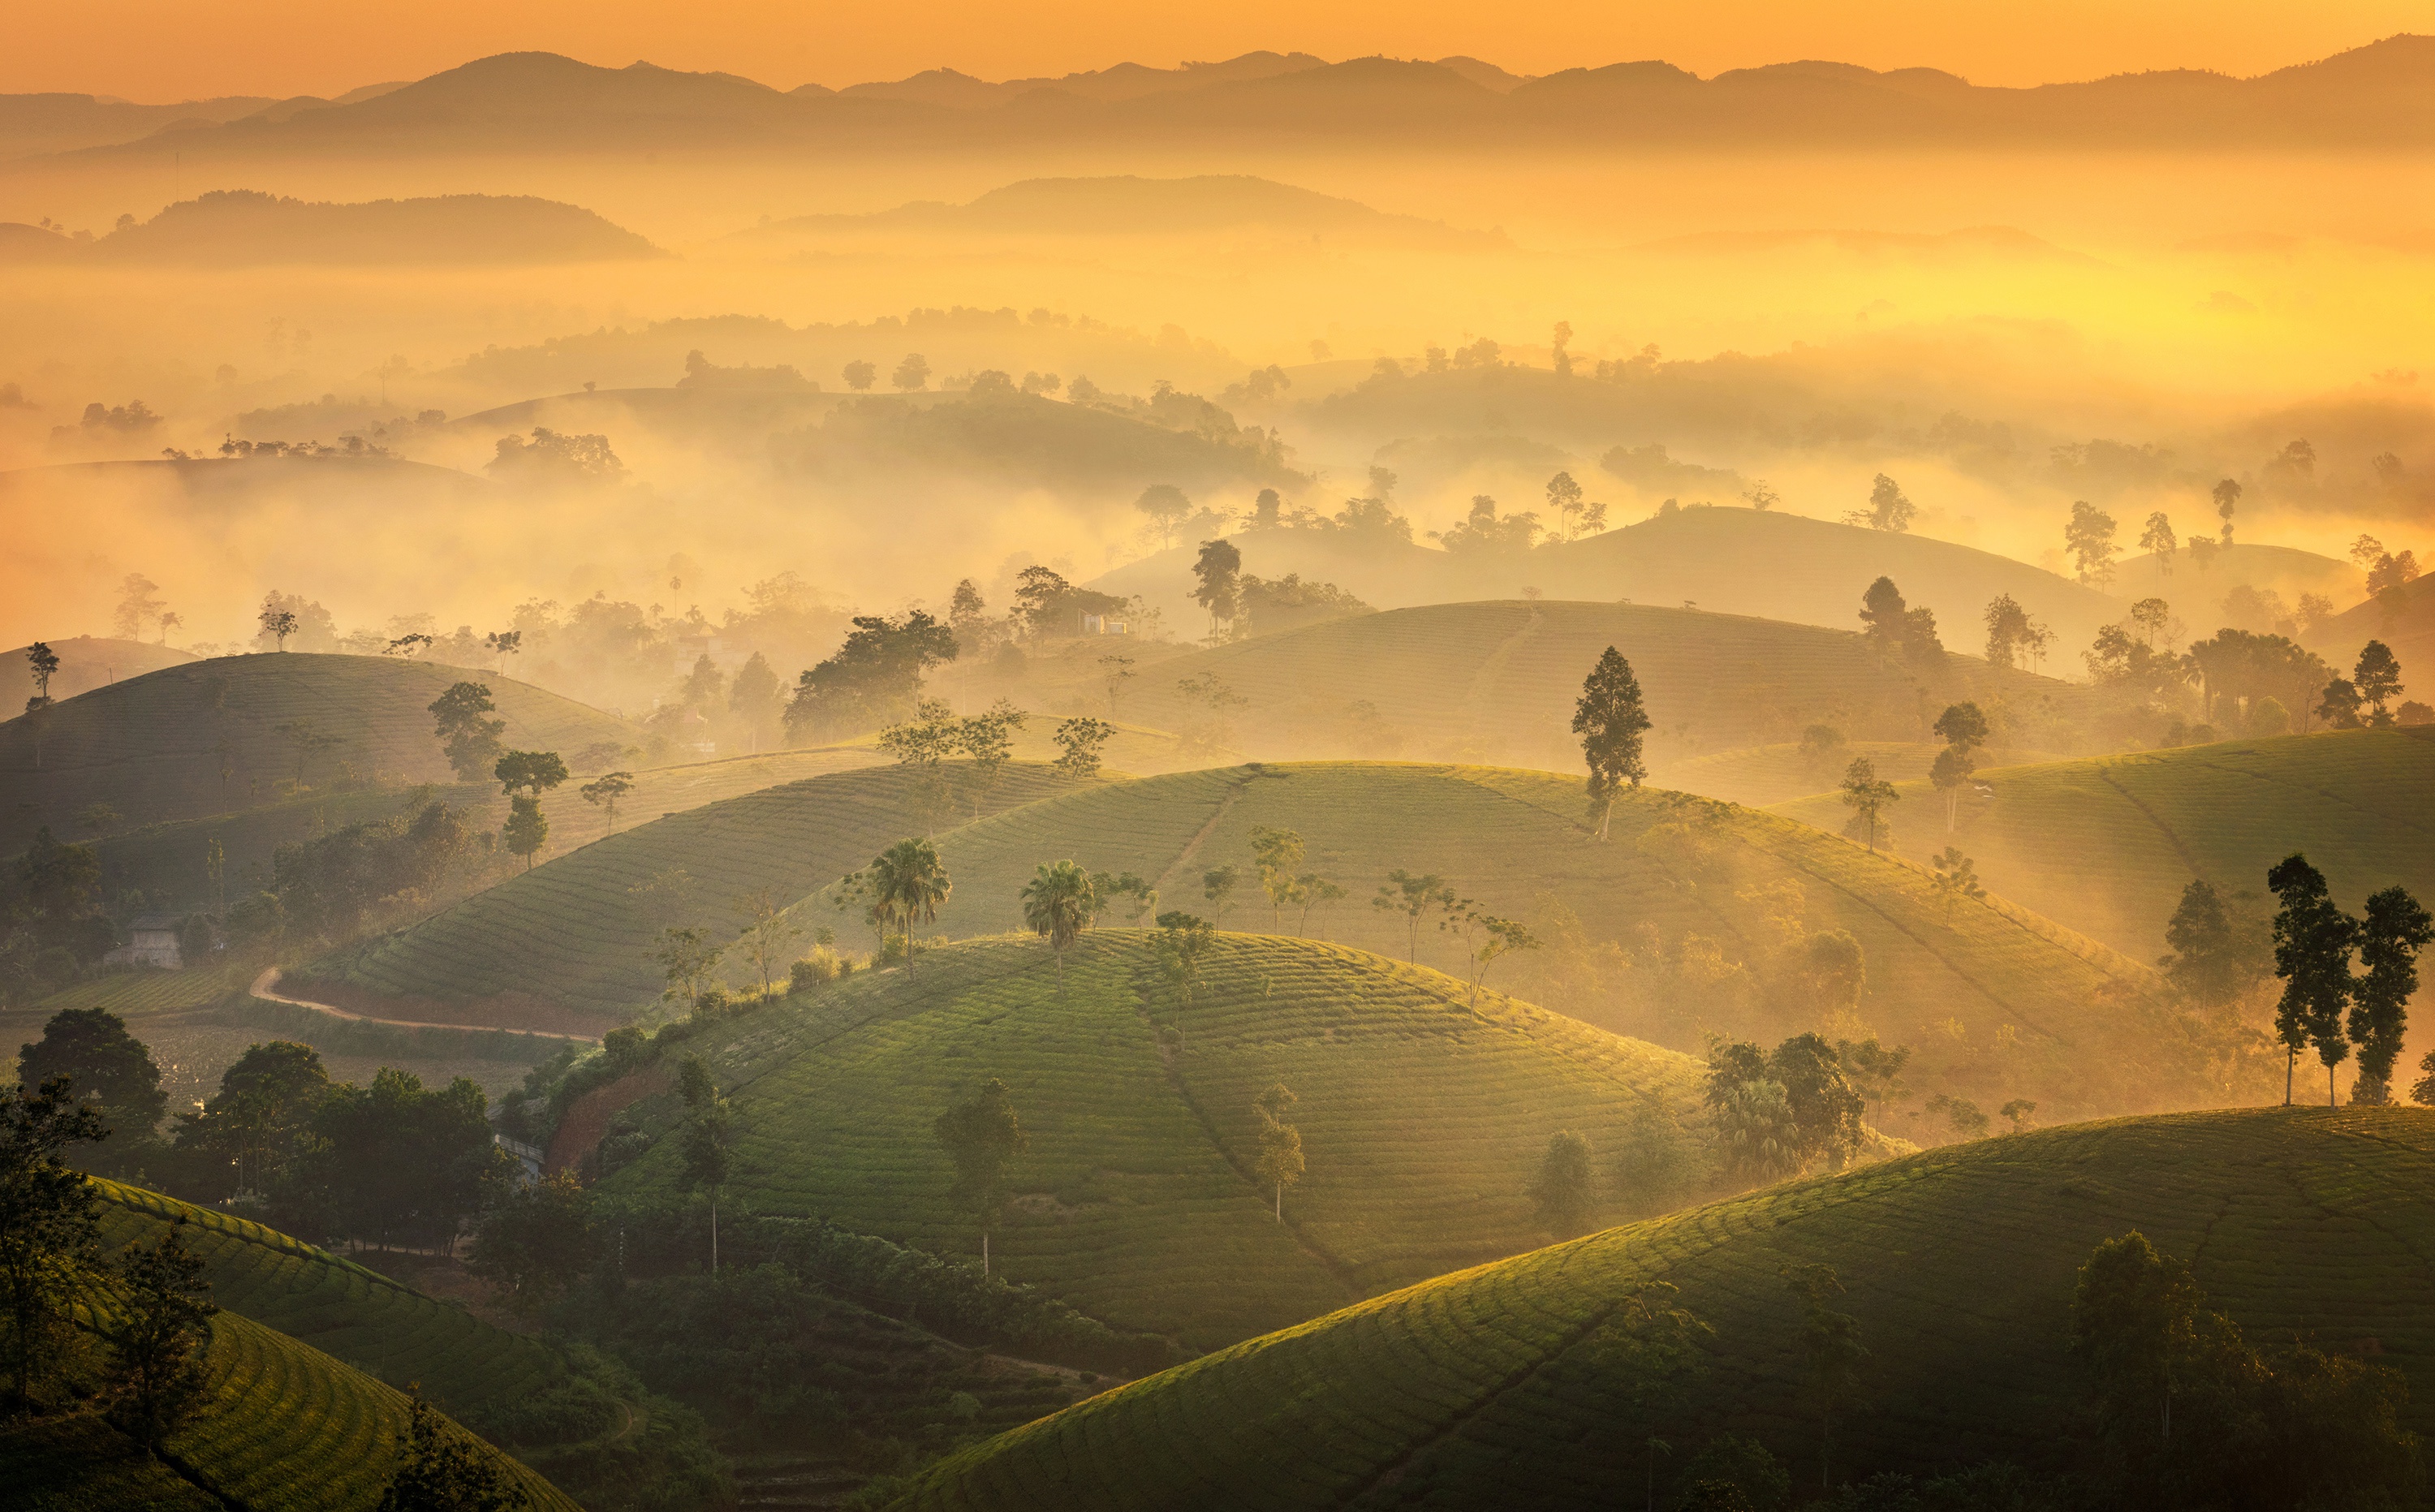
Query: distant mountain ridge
point(2380, 95)
point(240, 227)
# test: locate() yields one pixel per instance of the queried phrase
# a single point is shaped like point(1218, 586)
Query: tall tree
point(278, 621)
point(1277, 854)
point(909, 883)
point(2313, 955)
point(156, 1335)
point(50, 1224)
point(1412, 896)
point(1887, 508)
point(2206, 963)
point(1964, 729)
point(986, 740)
point(1059, 903)
point(1180, 944)
point(1168, 507)
point(706, 1140)
point(525, 776)
point(2227, 497)
point(1866, 795)
point(2377, 678)
point(2089, 537)
point(982, 1135)
point(2391, 933)
point(1217, 888)
point(1829, 1342)
point(139, 605)
point(1565, 1187)
point(1280, 1160)
point(535, 1244)
point(468, 738)
point(1612, 724)
point(606, 792)
point(260, 1119)
point(2159, 539)
point(1216, 585)
point(108, 1066)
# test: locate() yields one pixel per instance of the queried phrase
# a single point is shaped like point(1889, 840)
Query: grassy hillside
point(2197, 593)
point(1665, 932)
point(2406, 623)
point(1759, 775)
point(1485, 1388)
point(284, 1424)
point(86, 663)
point(558, 946)
point(153, 748)
point(2106, 845)
point(1727, 560)
point(1421, 1120)
point(1497, 681)
point(338, 1307)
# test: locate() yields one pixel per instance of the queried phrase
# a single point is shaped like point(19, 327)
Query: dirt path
point(266, 986)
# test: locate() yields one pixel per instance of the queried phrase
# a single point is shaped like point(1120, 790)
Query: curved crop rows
point(580, 930)
point(2105, 845)
point(1422, 1123)
point(1476, 1389)
point(340, 1307)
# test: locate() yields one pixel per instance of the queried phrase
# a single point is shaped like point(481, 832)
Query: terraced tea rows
point(338, 1307)
point(579, 933)
point(1997, 1003)
point(2106, 845)
point(1487, 1389)
point(1497, 681)
point(1760, 775)
point(153, 748)
point(1422, 1121)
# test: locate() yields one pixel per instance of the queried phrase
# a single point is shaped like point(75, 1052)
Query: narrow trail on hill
point(266, 988)
point(1192, 848)
point(2172, 838)
point(1491, 674)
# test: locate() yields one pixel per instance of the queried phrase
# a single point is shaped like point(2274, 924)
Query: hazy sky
point(180, 49)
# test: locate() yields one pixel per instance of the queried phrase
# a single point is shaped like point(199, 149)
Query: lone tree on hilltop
point(1059, 903)
point(468, 738)
point(157, 1335)
point(859, 376)
point(2394, 929)
point(2227, 497)
point(1564, 1185)
point(912, 373)
point(278, 621)
point(2312, 954)
point(982, 1137)
point(50, 1225)
point(445, 1470)
point(1887, 508)
point(2089, 537)
point(2377, 678)
point(908, 884)
point(1612, 724)
point(1280, 1160)
point(706, 1139)
point(606, 792)
point(44, 663)
point(1866, 795)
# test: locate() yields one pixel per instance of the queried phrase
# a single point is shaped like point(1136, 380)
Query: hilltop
point(2106, 844)
point(571, 941)
point(283, 1424)
point(2405, 622)
point(1761, 775)
point(1486, 1388)
point(2197, 593)
point(235, 227)
point(1723, 560)
point(1129, 205)
point(1692, 918)
point(1421, 1120)
point(1497, 681)
point(205, 737)
point(86, 663)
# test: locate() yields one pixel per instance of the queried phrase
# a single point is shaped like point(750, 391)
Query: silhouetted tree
point(445, 1470)
point(1866, 795)
point(2377, 678)
point(157, 1334)
point(706, 1142)
point(50, 1224)
point(1168, 507)
point(909, 883)
point(107, 1065)
point(1412, 896)
point(1888, 508)
point(2159, 539)
point(1565, 1187)
point(1080, 742)
point(1059, 903)
point(2089, 537)
point(1612, 723)
point(912, 373)
point(982, 1137)
point(2312, 954)
point(2227, 495)
point(1216, 584)
point(470, 741)
point(606, 792)
point(2394, 930)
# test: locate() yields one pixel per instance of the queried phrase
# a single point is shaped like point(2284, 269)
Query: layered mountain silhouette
point(243, 226)
point(2379, 95)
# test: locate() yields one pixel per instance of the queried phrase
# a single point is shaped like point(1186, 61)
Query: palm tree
point(908, 883)
point(1059, 903)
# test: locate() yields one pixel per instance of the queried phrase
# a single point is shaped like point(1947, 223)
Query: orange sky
point(180, 49)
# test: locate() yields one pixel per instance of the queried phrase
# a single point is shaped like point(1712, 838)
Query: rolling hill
point(570, 942)
point(1761, 775)
point(285, 1425)
point(1421, 1120)
point(2197, 593)
point(86, 663)
point(1674, 928)
point(204, 737)
point(2105, 845)
point(244, 228)
point(1723, 560)
point(1497, 681)
point(2406, 621)
point(1487, 1388)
